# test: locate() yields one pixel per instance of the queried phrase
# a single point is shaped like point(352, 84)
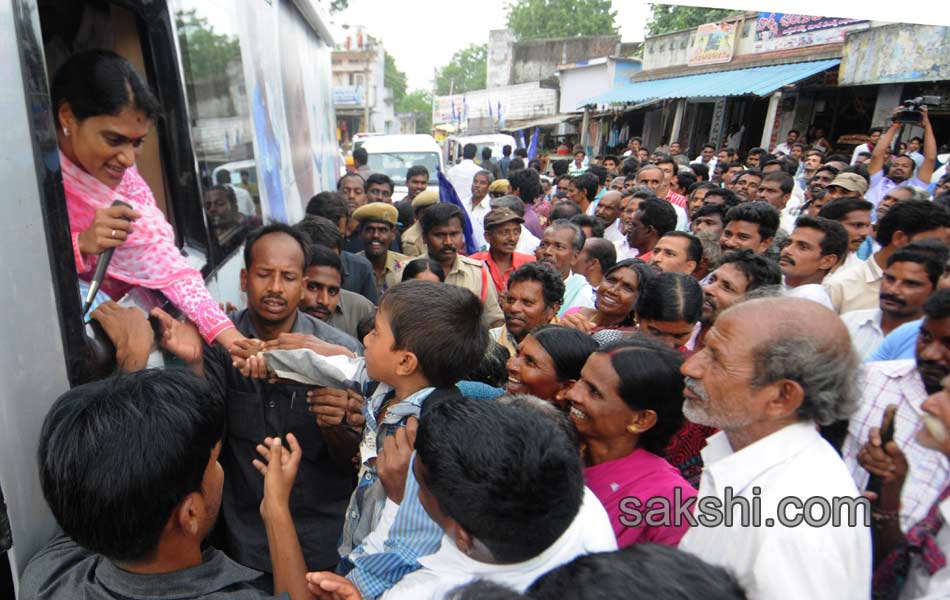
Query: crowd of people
point(653, 378)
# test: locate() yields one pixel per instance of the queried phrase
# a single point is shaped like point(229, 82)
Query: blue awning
point(760, 81)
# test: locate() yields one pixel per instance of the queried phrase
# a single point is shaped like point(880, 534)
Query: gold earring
point(633, 429)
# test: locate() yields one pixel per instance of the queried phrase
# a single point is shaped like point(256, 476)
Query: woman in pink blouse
point(103, 112)
point(626, 406)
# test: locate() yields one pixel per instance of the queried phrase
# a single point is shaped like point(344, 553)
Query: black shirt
point(256, 409)
point(358, 276)
point(64, 570)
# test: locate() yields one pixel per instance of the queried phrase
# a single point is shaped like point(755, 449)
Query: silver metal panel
point(32, 367)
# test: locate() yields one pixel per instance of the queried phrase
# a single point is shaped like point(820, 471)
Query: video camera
point(911, 113)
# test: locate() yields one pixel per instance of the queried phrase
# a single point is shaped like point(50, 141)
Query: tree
point(394, 79)
point(338, 5)
point(207, 54)
point(418, 101)
point(533, 19)
point(667, 18)
point(467, 71)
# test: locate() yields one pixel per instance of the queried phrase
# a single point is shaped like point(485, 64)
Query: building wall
point(581, 83)
point(518, 102)
point(896, 53)
point(536, 60)
point(500, 57)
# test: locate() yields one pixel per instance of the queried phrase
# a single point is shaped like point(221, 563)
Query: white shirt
point(897, 382)
point(780, 562)
point(880, 185)
point(783, 148)
point(682, 220)
point(476, 215)
point(461, 176)
point(528, 242)
point(865, 329)
point(449, 567)
point(861, 148)
point(613, 234)
point(920, 583)
point(811, 291)
point(625, 250)
point(245, 202)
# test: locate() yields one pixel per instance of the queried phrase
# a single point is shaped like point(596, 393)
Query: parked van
point(394, 154)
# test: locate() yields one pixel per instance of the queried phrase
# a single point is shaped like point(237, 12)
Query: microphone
point(101, 267)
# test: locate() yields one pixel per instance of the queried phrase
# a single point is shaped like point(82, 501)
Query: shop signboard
point(782, 31)
point(714, 43)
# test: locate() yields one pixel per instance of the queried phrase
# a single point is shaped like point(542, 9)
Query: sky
point(422, 35)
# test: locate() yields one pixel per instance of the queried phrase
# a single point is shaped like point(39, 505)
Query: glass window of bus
point(395, 164)
point(221, 128)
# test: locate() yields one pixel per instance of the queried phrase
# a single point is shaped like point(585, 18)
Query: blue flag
point(533, 147)
point(447, 194)
point(520, 140)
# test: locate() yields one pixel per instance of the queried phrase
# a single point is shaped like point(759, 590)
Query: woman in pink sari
point(626, 406)
point(103, 113)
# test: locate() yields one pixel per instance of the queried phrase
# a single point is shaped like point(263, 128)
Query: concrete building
point(361, 100)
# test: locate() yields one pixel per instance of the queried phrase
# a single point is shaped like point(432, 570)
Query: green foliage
point(467, 71)
point(667, 18)
point(418, 101)
point(338, 5)
point(394, 79)
point(534, 19)
point(207, 54)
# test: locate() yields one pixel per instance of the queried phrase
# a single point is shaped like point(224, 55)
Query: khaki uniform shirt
point(857, 287)
point(412, 243)
point(394, 264)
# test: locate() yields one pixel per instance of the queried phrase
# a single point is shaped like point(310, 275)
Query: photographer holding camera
point(901, 171)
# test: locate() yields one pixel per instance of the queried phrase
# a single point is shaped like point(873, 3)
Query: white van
point(394, 154)
point(495, 141)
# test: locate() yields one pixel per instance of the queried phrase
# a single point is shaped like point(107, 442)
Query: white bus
point(241, 82)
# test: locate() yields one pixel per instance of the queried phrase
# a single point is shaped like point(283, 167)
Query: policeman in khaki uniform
point(412, 242)
point(377, 230)
point(442, 231)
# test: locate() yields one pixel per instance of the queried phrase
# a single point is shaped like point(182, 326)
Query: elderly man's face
point(719, 391)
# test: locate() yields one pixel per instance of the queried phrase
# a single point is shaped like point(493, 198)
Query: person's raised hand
point(330, 586)
point(392, 462)
point(130, 332)
point(180, 338)
point(279, 471)
point(109, 229)
point(578, 321)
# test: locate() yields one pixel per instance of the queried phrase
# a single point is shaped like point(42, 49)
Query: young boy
point(426, 337)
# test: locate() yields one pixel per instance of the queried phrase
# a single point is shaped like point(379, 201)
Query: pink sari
point(149, 257)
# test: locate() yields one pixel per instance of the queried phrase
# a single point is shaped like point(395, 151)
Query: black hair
point(702, 185)
point(227, 191)
point(483, 589)
point(320, 231)
point(836, 158)
point(552, 286)
point(560, 167)
point(874, 130)
point(711, 209)
point(469, 151)
point(729, 198)
point(650, 379)
point(100, 82)
point(339, 182)
point(506, 150)
point(438, 215)
point(486, 153)
point(587, 182)
point(790, 164)
point(568, 348)
point(421, 265)
point(613, 158)
point(684, 180)
point(694, 247)
point(254, 236)
point(835, 240)
point(758, 270)
point(645, 272)
point(516, 164)
point(113, 492)
point(629, 167)
point(596, 227)
point(658, 214)
point(762, 214)
point(603, 251)
point(508, 475)
point(380, 178)
point(360, 156)
point(942, 200)
point(911, 217)
point(667, 159)
point(638, 572)
point(528, 184)
point(757, 151)
point(753, 172)
point(420, 312)
point(417, 170)
point(521, 152)
point(930, 254)
point(492, 369)
point(600, 172)
point(937, 305)
point(564, 209)
point(775, 162)
point(859, 169)
point(829, 168)
point(785, 181)
point(330, 205)
point(701, 171)
point(321, 256)
point(670, 297)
